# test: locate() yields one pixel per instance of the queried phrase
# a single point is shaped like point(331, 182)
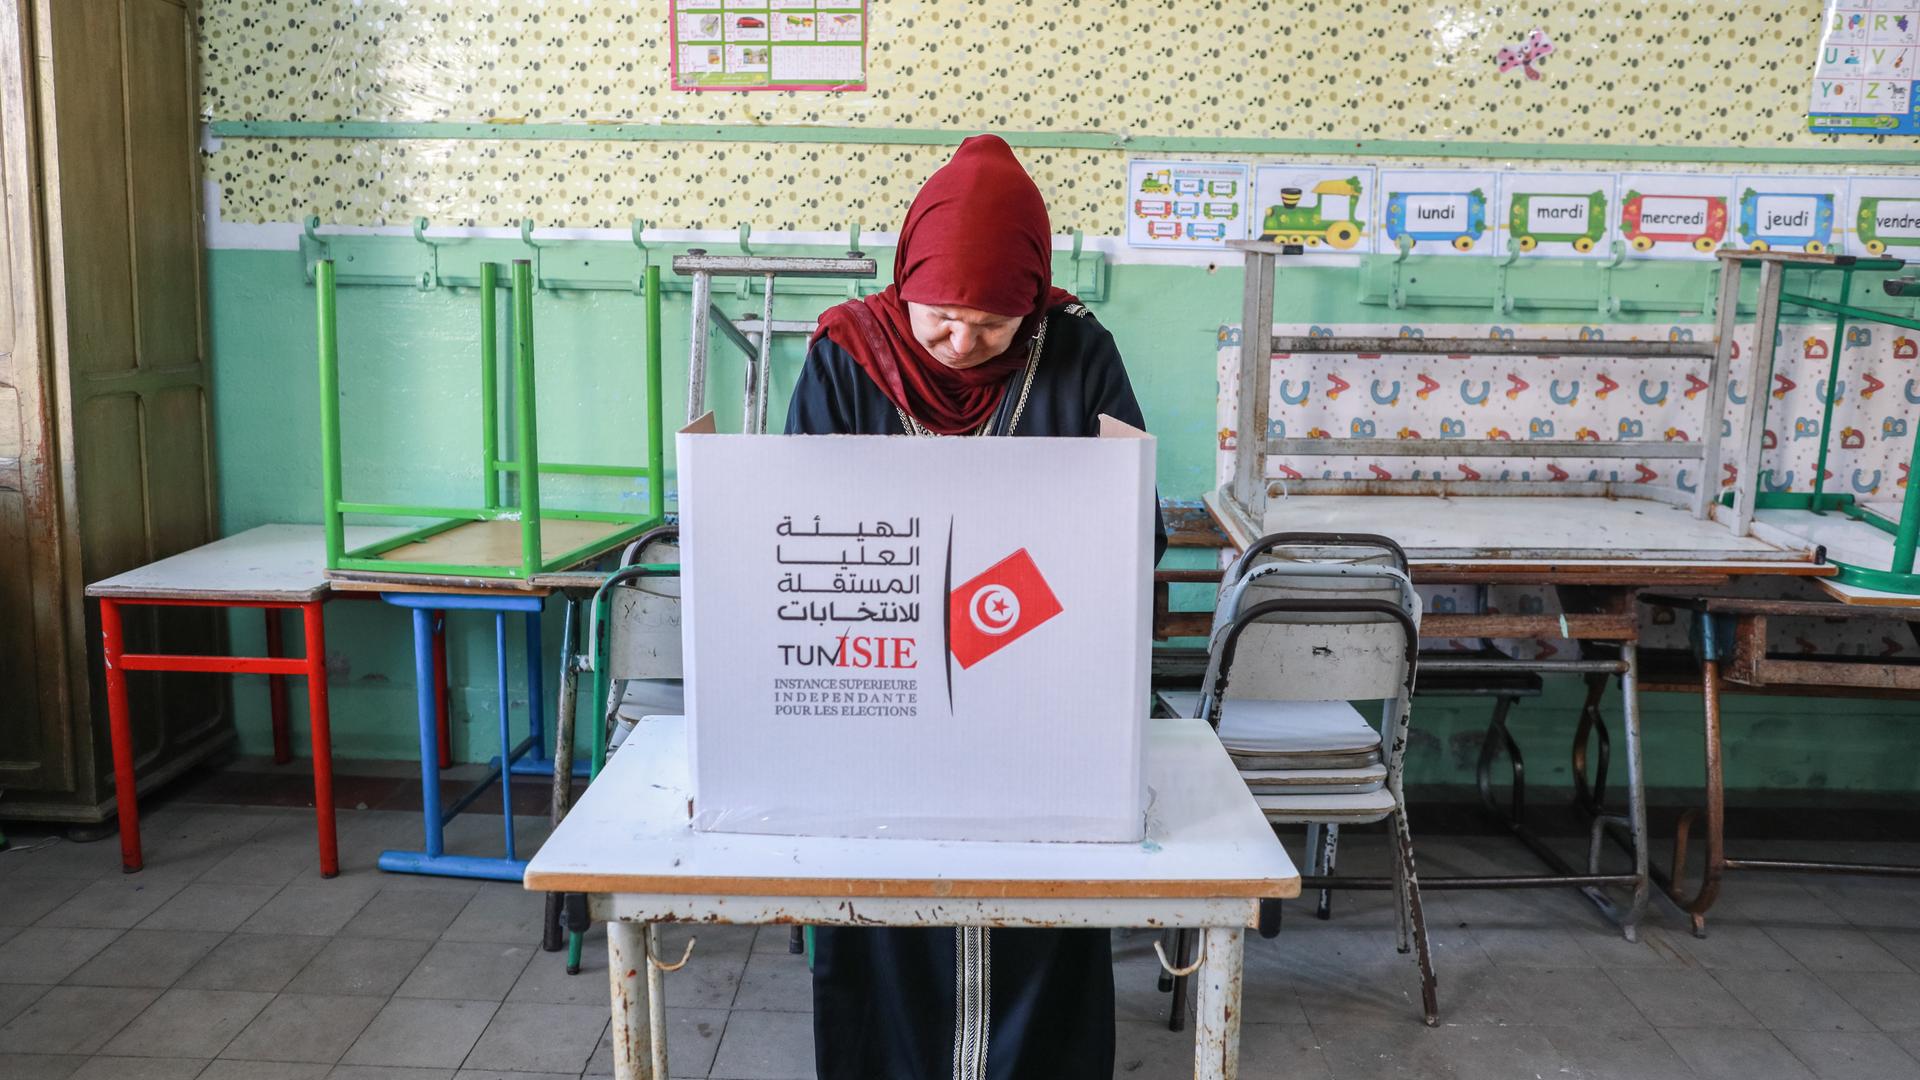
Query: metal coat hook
point(640, 279)
point(1397, 293)
point(430, 277)
point(1502, 299)
point(1185, 971)
point(1610, 304)
point(746, 248)
point(684, 957)
point(533, 248)
point(313, 247)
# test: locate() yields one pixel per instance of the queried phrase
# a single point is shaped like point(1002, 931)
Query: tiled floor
point(229, 958)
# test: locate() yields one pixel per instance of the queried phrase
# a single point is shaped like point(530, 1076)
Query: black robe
point(931, 1004)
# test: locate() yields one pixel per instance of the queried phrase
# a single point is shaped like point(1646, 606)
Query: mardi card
point(1674, 215)
point(1883, 216)
point(1323, 208)
point(1555, 213)
point(1438, 211)
point(1187, 204)
point(1788, 213)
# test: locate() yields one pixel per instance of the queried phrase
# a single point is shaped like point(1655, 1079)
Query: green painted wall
point(411, 422)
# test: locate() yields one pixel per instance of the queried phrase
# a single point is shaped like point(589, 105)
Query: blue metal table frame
point(529, 756)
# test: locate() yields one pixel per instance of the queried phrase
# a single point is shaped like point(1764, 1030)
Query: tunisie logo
point(998, 607)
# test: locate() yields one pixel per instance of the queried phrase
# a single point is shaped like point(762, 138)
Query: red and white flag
point(998, 607)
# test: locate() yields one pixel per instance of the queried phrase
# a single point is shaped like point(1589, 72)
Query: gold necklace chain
point(914, 427)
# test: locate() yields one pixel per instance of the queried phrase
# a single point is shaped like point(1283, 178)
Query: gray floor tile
point(693, 1035)
point(7, 932)
point(409, 913)
point(1792, 1001)
point(545, 980)
point(711, 979)
point(63, 858)
point(764, 1046)
point(1277, 1051)
point(263, 1070)
point(146, 958)
point(15, 997)
point(776, 982)
point(189, 1023)
point(500, 912)
point(1409, 1050)
point(202, 906)
point(1616, 1052)
point(1547, 996)
point(73, 1019)
point(1771, 900)
point(474, 970)
point(1737, 948)
point(540, 1038)
point(311, 909)
point(1910, 1042)
point(1904, 944)
point(421, 1033)
point(1539, 947)
point(1689, 997)
point(386, 1072)
point(496, 1074)
point(1735, 1054)
point(1844, 1055)
point(45, 954)
point(361, 966)
point(1831, 948)
point(113, 902)
point(1658, 947)
point(254, 962)
point(24, 899)
point(304, 1027)
point(259, 864)
point(39, 1066)
point(129, 1068)
point(1891, 999)
point(1870, 903)
point(1143, 1048)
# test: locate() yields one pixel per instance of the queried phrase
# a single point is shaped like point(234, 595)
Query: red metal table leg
point(277, 690)
point(120, 728)
point(440, 688)
point(317, 719)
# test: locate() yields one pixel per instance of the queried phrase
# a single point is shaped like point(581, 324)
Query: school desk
point(1208, 860)
point(274, 568)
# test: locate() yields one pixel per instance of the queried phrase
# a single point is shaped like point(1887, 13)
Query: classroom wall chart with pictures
point(769, 44)
point(1864, 81)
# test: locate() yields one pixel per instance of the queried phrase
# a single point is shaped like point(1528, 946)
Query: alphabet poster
point(1323, 208)
point(769, 44)
point(1557, 213)
point(1439, 211)
point(1864, 80)
point(1674, 215)
point(1187, 204)
point(1789, 213)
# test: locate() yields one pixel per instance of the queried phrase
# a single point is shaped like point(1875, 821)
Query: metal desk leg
point(319, 725)
point(442, 703)
point(1716, 855)
point(627, 969)
point(1636, 818)
point(277, 689)
point(120, 728)
point(1216, 1038)
point(552, 937)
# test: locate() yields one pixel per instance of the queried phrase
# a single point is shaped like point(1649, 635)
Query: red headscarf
point(976, 236)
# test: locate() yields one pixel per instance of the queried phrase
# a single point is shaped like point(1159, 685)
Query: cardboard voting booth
point(923, 638)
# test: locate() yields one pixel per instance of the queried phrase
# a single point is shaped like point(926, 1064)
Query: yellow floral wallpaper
point(1728, 73)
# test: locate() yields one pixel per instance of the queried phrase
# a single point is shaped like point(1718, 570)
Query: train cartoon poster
point(1187, 204)
point(1556, 213)
point(1674, 215)
point(1788, 213)
point(1883, 216)
point(1323, 208)
point(1863, 81)
point(1438, 211)
point(769, 44)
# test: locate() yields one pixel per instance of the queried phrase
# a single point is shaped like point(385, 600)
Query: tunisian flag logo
point(998, 607)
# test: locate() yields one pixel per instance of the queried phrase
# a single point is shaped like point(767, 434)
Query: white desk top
point(630, 834)
point(272, 562)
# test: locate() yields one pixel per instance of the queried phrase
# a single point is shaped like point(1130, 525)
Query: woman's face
point(961, 337)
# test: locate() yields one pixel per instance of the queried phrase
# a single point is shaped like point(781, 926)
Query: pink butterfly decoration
point(1535, 51)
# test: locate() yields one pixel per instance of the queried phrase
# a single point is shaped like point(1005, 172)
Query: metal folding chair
point(1295, 643)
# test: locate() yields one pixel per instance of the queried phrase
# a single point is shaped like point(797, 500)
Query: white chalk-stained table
point(1208, 859)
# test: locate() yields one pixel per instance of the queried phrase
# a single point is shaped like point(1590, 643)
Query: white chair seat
point(653, 697)
point(1319, 809)
point(1357, 781)
point(1265, 735)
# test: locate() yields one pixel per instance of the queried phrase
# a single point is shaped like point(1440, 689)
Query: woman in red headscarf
point(971, 339)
